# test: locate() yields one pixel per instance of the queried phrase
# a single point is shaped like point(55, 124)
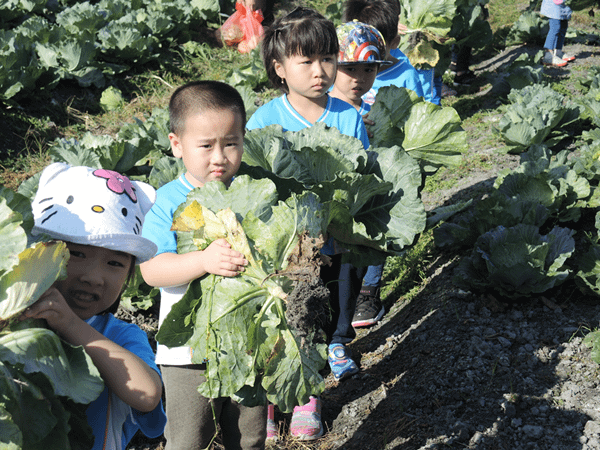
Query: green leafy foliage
point(429, 133)
point(586, 163)
point(592, 340)
point(88, 41)
point(540, 191)
point(433, 26)
point(16, 9)
point(138, 294)
point(14, 238)
point(549, 181)
point(376, 204)
point(37, 269)
point(429, 24)
point(537, 114)
point(304, 184)
point(590, 104)
point(470, 26)
point(516, 262)
point(238, 325)
point(19, 67)
point(588, 273)
point(140, 151)
point(251, 74)
point(112, 98)
point(529, 28)
point(523, 71)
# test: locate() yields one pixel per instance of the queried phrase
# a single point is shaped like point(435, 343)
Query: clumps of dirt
point(307, 303)
point(306, 306)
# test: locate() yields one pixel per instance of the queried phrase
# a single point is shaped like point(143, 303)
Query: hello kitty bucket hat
point(96, 207)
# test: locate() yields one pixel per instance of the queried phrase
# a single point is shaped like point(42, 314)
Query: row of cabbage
point(539, 226)
point(91, 42)
point(42, 42)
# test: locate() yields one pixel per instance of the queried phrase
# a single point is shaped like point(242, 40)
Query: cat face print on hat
point(96, 207)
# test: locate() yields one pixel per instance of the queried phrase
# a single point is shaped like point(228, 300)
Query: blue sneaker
point(341, 364)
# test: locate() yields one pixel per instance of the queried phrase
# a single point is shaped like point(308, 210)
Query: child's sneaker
point(564, 56)
point(272, 431)
point(341, 364)
point(550, 59)
point(369, 309)
point(306, 421)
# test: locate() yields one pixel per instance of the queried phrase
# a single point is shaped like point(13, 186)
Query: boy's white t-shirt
point(157, 228)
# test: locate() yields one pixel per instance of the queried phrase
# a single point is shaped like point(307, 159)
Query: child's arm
point(123, 372)
point(174, 269)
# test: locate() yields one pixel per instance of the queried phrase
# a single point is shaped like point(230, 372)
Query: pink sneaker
point(306, 421)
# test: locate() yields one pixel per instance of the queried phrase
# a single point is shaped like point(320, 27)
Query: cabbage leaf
point(237, 325)
point(45, 383)
point(429, 133)
point(375, 204)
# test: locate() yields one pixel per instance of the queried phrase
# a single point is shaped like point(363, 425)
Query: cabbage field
point(536, 230)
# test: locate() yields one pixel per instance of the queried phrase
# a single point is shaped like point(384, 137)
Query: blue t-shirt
point(401, 74)
point(337, 113)
point(428, 83)
point(124, 421)
point(364, 108)
point(158, 221)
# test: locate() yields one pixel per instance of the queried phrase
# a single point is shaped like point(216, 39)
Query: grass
point(403, 276)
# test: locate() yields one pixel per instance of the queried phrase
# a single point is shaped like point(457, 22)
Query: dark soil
point(306, 306)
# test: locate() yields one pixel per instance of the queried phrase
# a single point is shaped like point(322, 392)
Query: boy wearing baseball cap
point(362, 52)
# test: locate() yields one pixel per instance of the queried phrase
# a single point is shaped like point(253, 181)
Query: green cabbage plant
point(537, 114)
point(429, 133)
point(241, 326)
point(516, 262)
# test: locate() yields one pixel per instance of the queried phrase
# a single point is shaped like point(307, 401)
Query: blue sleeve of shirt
point(157, 228)
point(158, 221)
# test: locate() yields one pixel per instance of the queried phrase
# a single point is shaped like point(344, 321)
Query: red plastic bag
point(244, 28)
point(253, 31)
point(232, 32)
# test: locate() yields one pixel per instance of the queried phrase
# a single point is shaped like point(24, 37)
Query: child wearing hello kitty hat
point(99, 214)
